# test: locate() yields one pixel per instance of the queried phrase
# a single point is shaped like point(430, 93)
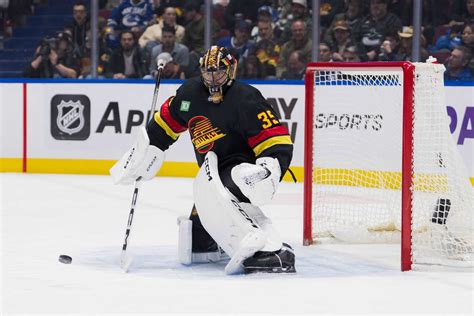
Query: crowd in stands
point(270, 38)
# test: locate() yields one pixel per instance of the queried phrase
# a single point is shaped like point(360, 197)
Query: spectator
point(177, 51)
point(452, 38)
point(153, 32)
point(353, 16)
point(463, 10)
point(325, 53)
point(470, 11)
point(251, 68)
point(296, 67)
point(406, 43)
point(243, 10)
point(127, 61)
point(171, 70)
point(193, 69)
point(435, 12)
point(389, 48)
point(457, 65)
point(86, 63)
point(376, 26)
point(239, 44)
point(341, 39)
point(468, 41)
point(266, 49)
point(80, 25)
point(269, 16)
point(299, 11)
point(18, 10)
point(351, 54)
point(300, 41)
point(218, 12)
point(194, 34)
point(132, 15)
point(54, 58)
point(328, 9)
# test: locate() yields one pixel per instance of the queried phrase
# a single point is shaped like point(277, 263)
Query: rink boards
point(83, 127)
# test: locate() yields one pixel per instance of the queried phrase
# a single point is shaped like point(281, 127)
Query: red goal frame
point(408, 70)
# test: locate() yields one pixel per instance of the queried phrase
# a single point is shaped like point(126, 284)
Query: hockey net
point(381, 165)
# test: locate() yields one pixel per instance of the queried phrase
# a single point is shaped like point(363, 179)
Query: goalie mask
point(218, 68)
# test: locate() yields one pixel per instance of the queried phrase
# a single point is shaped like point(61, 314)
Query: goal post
point(380, 164)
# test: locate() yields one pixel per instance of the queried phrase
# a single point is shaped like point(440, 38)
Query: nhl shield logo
point(70, 114)
point(70, 117)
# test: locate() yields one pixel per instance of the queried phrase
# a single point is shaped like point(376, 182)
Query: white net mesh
point(357, 160)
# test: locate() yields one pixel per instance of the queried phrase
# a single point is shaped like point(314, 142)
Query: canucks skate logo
point(70, 117)
point(203, 134)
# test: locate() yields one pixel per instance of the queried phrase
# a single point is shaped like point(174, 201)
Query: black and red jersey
point(240, 129)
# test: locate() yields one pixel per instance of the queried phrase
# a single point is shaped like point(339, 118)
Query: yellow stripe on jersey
point(165, 127)
point(272, 141)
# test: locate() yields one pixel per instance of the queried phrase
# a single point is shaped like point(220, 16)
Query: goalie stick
point(125, 258)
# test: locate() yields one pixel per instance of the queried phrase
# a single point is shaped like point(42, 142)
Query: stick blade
point(125, 262)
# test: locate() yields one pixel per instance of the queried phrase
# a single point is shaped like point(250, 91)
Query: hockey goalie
point(243, 152)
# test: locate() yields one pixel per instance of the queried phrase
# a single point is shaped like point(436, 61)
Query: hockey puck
point(65, 259)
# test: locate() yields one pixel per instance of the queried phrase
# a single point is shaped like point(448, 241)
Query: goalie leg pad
point(186, 255)
point(274, 241)
point(223, 217)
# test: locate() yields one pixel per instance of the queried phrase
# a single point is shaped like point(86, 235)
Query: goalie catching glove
point(141, 162)
point(258, 182)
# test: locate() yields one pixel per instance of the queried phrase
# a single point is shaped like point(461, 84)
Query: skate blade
point(249, 270)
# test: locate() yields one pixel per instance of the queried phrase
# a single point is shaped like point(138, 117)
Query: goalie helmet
point(218, 68)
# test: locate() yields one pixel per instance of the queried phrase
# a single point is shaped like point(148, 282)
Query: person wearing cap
point(299, 11)
point(268, 15)
point(341, 39)
point(376, 26)
point(54, 58)
point(179, 52)
point(299, 41)
point(171, 69)
point(406, 43)
point(239, 44)
point(353, 16)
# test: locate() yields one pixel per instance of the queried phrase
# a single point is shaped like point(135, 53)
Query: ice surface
point(43, 216)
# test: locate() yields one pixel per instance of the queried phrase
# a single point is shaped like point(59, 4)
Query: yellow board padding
point(92, 166)
point(68, 166)
point(425, 182)
point(380, 179)
point(11, 165)
point(84, 166)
